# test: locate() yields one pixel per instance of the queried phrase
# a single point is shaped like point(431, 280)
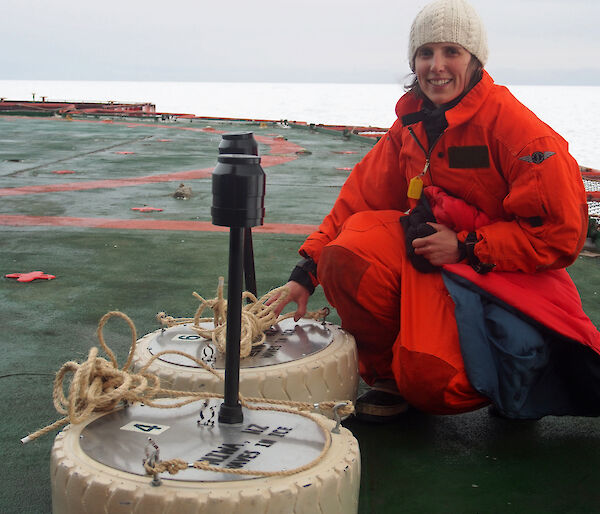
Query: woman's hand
point(439, 248)
point(297, 293)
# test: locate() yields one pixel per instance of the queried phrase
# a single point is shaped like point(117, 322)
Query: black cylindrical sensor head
point(238, 142)
point(238, 187)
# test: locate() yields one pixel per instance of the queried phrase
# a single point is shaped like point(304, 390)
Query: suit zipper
point(427, 153)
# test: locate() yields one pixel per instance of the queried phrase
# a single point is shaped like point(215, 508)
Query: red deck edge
point(148, 110)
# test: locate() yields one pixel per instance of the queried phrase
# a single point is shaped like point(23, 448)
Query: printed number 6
point(146, 428)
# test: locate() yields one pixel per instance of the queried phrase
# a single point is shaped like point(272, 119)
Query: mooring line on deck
point(145, 224)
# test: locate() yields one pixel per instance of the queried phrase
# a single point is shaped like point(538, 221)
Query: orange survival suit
point(497, 156)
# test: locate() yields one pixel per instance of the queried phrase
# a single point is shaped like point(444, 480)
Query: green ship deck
point(79, 226)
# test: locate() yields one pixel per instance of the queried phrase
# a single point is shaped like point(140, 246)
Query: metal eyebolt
point(156, 481)
point(327, 312)
point(337, 417)
point(152, 459)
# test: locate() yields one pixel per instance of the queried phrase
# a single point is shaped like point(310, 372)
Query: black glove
point(415, 226)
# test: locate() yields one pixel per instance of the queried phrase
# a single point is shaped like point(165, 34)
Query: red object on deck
point(30, 277)
point(63, 172)
point(145, 209)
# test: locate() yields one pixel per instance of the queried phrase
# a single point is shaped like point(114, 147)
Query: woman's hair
point(412, 86)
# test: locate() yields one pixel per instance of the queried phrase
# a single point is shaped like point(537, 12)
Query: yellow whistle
point(415, 188)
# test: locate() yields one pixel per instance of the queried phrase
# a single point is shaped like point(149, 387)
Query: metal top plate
point(287, 341)
point(265, 441)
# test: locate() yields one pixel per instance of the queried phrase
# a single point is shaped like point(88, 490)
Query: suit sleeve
point(375, 183)
point(547, 207)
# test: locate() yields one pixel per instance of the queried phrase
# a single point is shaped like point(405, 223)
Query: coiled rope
point(257, 318)
point(98, 385)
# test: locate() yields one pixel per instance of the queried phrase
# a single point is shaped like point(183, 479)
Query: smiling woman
point(453, 153)
point(444, 71)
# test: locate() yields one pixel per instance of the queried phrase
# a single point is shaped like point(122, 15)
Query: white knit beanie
point(448, 21)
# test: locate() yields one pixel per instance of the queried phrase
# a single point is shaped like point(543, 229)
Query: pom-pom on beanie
point(448, 21)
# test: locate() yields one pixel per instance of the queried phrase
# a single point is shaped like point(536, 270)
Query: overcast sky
point(531, 41)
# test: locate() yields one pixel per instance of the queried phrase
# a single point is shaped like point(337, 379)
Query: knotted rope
point(257, 318)
point(98, 385)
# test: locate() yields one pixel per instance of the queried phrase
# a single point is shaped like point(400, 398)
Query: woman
point(465, 151)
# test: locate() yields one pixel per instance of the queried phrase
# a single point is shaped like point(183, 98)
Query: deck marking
point(281, 152)
point(266, 161)
point(144, 224)
point(109, 183)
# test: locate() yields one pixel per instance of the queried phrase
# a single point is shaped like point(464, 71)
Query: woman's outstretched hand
point(439, 248)
point(297, 294)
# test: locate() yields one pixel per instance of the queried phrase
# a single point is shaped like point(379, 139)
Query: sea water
point(571, 110)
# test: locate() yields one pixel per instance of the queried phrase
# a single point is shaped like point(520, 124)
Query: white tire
point(82, 485)
point(327, 375)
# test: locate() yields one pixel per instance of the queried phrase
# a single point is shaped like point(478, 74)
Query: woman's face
point(443, 71)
